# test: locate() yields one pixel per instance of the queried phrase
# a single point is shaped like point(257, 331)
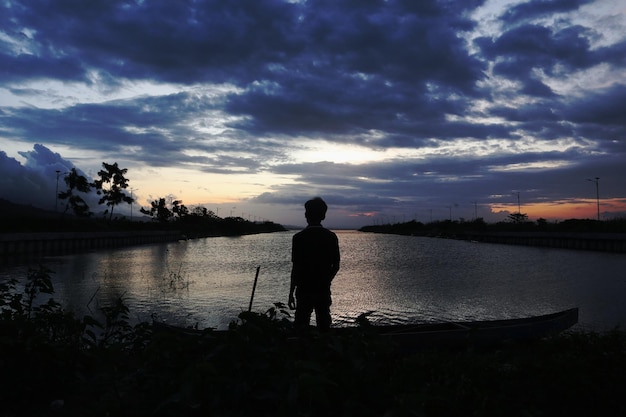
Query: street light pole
point(597, 181)
point(519, 205)
point(475, 209)
point(131, 202)
point(56, 195)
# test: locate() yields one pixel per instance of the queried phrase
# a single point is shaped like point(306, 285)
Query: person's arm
point(292, 288)
point(336, 259)
point(294, 274)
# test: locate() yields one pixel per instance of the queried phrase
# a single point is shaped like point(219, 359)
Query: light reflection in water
point(400, 278)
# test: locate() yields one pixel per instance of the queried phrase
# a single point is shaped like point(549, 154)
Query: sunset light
point(391, 109)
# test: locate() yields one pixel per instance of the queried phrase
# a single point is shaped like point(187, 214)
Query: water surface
point(399, 278)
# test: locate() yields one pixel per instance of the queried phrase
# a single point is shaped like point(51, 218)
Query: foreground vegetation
point(54, 363)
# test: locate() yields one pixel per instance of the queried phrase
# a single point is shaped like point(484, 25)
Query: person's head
point(315, 210)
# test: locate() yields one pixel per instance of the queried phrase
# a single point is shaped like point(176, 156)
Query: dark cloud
point(362, 68)
point(35, 181)
point(535, 9)
point(604, 108)
point(182, 42)
point(519, 53)
point(136, 127)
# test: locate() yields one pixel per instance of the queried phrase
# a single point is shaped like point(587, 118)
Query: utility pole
point(56, 195)
point(131, 202)
point(519, 206)
point(597, 181)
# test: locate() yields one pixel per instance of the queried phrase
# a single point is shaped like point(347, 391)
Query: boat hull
point(482, 333)
point(443, 335)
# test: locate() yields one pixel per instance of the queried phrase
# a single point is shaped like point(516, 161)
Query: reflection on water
point(400, 278)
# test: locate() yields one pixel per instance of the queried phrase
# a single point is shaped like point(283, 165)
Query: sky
point(390, 110)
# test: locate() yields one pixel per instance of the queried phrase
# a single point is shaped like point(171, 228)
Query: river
point(399, 279)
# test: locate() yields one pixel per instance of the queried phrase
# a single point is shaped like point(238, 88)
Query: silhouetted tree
point(200, 211)
point(78, 183)
point(159, 211)
point(111, 186)
point(518, 217)
point(179, 209)
point(542, 224)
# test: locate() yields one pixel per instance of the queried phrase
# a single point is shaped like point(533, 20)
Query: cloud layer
point(457, 101)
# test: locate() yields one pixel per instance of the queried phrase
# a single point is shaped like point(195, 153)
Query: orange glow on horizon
point(363, 214)
point(566, 209)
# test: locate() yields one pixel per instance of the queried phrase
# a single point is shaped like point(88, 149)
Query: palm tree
point(111, 186)
point(76, 182)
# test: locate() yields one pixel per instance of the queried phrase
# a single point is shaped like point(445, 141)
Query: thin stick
point(91, 299)
point(256, 277)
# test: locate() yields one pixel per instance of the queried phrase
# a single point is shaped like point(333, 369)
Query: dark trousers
point(306, 303)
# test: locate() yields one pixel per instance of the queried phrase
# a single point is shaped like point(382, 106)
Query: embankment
point(604, 242)
point(16, 244)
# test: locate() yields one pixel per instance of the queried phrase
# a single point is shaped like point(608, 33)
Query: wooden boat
point(444, 335)
point(480, 333)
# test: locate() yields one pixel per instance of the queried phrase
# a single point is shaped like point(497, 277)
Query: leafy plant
point(56, 364)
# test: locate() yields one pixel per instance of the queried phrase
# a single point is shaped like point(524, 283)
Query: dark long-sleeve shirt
point(315, 257)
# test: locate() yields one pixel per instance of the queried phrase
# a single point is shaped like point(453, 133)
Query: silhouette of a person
point(315, 258)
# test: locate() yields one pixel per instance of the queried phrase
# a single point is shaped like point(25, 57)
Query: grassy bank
point(56, 364)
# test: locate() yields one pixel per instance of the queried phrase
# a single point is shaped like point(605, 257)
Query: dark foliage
point(28, 219)
point(459, 228)
point(53, 363)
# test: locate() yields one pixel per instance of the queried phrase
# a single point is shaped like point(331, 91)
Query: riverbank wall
point(19, 244)
point(604, 242)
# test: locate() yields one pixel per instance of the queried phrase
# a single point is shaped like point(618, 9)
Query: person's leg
point(322, 312)
point(304, 308)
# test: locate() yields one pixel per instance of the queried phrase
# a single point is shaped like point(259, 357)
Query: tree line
point(516, 222)
point(111, 186)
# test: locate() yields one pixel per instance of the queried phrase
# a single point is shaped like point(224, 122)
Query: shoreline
point(600, 242)
point(12, 244)
point(60, 243)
